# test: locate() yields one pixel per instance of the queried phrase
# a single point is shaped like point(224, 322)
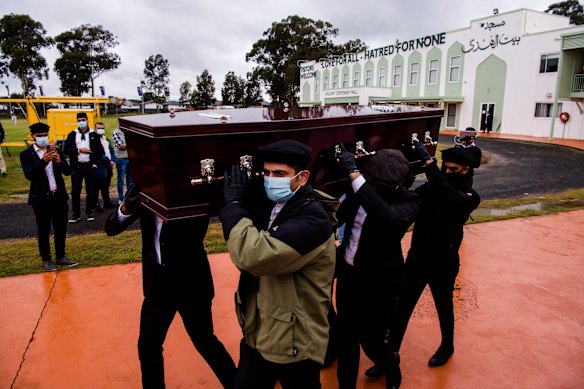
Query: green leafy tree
point(352, 46)
point(284, 44)
point(570, 8)
point(204, 95)
point(185, 91)
point(85, 55)
point(253, 90)
point(233, 90)
point(21, 39)
point(156, 74)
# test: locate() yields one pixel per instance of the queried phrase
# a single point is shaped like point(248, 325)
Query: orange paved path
point(519, 311)
point(576, 143)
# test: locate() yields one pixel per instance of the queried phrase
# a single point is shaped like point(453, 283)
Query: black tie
point(82, 136)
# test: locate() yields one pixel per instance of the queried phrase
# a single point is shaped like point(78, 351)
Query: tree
point(233, 90)
point(284, 44)
point(185, 91)
point(156, 74)
point(253, 90)
point(571, 8)
point(85, 55)
point(21, 39)
point(352, 46)
point(203, 96)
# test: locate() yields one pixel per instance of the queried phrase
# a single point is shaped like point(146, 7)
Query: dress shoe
point(440, 357)
point(374, 372)
point(74, 219)
point(49, 266)
point(66, 262)
point(89, 217)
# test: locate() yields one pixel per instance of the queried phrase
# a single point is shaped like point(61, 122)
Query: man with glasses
point(44, 166)
point(84, 150)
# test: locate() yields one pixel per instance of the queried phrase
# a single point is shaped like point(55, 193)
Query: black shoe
point(89, 218)
point(74, 219)
point(99, 208)
point(4, 174)
point(374, 372)
point(49, 265)
point(66, 262)
point(440, 357)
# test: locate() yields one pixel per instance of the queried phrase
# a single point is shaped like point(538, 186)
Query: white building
point(502, 74)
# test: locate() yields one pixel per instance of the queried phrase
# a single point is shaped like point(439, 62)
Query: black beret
point(459, 155)
point(389, 167)
point(38, 128)
point(286, 151)
point(81, 115)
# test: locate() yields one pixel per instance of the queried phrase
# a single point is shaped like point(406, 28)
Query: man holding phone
point(44, 166)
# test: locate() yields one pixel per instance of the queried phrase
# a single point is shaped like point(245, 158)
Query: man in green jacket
point(285, 247)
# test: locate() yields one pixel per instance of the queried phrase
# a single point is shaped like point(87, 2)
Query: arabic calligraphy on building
point(494, 42)
point(490, 26)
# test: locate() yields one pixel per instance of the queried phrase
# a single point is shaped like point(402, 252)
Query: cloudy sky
point(195, 35)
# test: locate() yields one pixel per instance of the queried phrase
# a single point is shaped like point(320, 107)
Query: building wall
point(498, 60)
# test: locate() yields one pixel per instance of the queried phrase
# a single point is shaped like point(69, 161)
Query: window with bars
point(433, 71)
point(544, 110)
point(549, 63)
point(414, 70)
point(397, 69)
point(454, 74)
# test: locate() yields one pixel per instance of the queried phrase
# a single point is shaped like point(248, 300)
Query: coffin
point(166, 150)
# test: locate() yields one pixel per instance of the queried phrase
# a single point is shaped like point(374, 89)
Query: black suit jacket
point(70, 148)
point(184, 260)
point(34, 170)
point(379, 261)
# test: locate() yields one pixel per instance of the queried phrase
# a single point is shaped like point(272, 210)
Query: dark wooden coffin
point(166, 150)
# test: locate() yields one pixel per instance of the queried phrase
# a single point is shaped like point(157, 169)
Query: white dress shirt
point(158, 223)
point(357, 226)
point(48, 169)
point(80, 143)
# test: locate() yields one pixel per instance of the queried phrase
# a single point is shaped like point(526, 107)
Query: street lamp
point(141, 92)
point(9, 103)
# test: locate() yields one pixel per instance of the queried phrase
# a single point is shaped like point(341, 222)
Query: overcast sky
point(195, 35)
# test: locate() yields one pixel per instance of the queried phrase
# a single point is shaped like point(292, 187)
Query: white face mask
point(100, 131)
point(278, 188)
point(41, 141)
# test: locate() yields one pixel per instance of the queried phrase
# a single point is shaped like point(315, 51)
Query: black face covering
point(455, 179)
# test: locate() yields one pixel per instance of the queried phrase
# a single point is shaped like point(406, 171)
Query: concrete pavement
point(519, 319)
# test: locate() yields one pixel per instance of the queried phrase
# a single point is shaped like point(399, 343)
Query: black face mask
point(455, 179)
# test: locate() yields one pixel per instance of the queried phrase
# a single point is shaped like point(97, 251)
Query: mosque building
point(509, 72)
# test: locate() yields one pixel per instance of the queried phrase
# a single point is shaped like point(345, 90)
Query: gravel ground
point(515, 169)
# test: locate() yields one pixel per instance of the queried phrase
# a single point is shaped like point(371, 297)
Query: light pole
point(9, 103)
point(141, 92)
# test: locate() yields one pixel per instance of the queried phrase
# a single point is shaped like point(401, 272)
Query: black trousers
point(84, 171)
point(102, 186)
point(441, 282)
point(158, 311)
point(362, 319)
point(55, 214)
point(254, 372)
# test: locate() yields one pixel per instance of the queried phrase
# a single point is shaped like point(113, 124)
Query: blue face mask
point(82, 124)
point(278, 188)
point(100, 131)
point(41, 141)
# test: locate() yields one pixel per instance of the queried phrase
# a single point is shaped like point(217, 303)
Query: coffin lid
point(230, 121)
